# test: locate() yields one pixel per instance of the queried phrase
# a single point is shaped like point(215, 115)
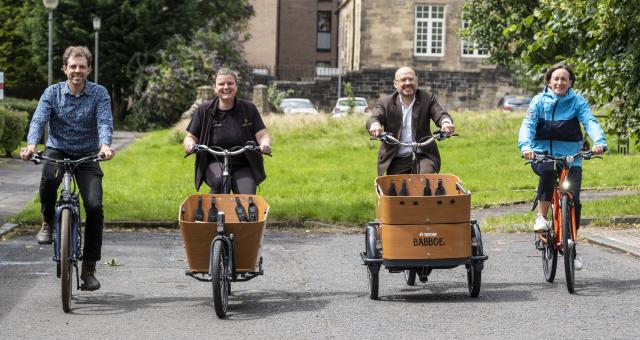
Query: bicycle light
point(565, 185)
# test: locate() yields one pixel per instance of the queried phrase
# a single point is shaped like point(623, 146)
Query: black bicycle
point(68, 229)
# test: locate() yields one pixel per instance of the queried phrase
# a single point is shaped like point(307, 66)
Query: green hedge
point(13, 129)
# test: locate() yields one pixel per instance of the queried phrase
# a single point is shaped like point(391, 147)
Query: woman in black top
point(227, 121)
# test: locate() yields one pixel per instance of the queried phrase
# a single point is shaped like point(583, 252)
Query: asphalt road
point(315, 287)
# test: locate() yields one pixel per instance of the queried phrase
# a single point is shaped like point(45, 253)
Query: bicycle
point(234, 246)
point(68, 229)
point(562, 235)
point(415, 232)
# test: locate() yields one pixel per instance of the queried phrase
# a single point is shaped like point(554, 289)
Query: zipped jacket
point(552, 125)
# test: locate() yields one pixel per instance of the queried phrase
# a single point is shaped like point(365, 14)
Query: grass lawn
point(323, 169)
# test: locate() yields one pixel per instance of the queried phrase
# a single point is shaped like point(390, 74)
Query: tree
point(131, 35)
point(599, 38)
point(167, 88)
point(15, 59)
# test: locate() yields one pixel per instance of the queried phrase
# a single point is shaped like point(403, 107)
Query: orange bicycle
point(562, 236)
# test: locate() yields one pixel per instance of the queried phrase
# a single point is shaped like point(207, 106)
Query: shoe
point(45, 235)
point(541, 224)
point(89, 281)
point(578, 264)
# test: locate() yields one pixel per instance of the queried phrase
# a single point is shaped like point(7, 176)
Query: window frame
point(428, 25)
point(471, 45)
point(327, 32)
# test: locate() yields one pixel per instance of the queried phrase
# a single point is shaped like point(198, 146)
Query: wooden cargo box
point(420, 242)
point(415, 208)
point(197, 236)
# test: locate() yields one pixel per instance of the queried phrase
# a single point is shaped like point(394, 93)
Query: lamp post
point(50, 5)
point(96, 27)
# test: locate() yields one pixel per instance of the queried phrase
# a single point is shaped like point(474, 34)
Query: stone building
point(304, 44)
point(378, 36)
point(293, 39)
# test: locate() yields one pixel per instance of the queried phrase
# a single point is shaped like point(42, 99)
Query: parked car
point(298, 106)
point(512, 103)
point(342, 106)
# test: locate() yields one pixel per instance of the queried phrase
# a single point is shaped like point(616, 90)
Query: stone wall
point(455, 90)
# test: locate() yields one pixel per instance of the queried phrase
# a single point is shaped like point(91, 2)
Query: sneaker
point(541, 224)
point(45, 235)
point(578, 264)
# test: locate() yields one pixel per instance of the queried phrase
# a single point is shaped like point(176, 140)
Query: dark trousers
point(242, 180)
point(404, 164)
point(89, 180)
point(547, 182)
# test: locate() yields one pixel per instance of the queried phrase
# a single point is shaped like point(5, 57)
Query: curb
point(609, 243)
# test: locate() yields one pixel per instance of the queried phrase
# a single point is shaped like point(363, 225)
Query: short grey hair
point(224, 71)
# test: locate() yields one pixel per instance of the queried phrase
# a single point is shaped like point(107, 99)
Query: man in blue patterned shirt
point(80, 124)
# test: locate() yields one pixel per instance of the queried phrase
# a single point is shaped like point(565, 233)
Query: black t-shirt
point(229, 129)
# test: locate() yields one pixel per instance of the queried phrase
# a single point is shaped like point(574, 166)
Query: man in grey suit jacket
point(405, 114)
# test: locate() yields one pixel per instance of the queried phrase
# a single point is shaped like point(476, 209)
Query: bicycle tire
point(410, 277)
point(374, 281)
point(549, 255)
point(474, 280)
point(66, 273)
point(568, 244)
point(219, 272)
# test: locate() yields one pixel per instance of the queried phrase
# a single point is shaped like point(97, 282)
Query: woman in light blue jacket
point(552, 126)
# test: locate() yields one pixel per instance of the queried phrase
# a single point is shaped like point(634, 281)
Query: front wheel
point(373, 271)
point(66, 273)
point(219, 271)
point(568, 244)
point(549, 256)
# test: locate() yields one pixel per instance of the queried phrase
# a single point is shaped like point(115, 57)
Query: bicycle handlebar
point(437, 136)
point(39, 158)
point(564, 160)
point(218, 151)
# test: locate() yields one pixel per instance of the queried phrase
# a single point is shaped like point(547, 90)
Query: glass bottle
point(252, 210)
point(440, 189)
point(392, 190)
point(403, 190)
point(213, 211)
point(427, 188)
point(242, 214)
point(199, 214)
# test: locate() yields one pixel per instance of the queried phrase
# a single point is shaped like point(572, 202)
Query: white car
point(298, 106)
point(342, 107)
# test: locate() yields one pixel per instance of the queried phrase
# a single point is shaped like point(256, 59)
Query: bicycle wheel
point(66, 272)
point(374, 281)
point(568, 244)
point(474, 280)
point(549, 256)
point(410, 277)
point(219, 272)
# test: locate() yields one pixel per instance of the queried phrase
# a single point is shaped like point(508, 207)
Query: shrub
point(275, 97)
point(13, 132)
point(166, 89)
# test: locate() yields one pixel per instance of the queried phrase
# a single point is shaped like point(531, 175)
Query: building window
point(429, 31)
point(323, 41)
point(472, 49)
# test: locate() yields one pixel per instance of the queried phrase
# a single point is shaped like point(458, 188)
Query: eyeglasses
point(406, 80)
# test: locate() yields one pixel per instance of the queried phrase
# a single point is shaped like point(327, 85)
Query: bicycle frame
point(558, 193)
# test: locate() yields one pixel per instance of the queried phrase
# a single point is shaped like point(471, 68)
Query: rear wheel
point(219, 272)
point(474, 269)
point(568, 244)
point(410, 277)
point(66, 272)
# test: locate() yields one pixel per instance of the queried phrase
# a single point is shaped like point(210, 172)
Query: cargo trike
point(423, 222)
point(223, 234)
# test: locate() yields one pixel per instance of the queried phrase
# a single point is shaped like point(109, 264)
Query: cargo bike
point(423, 222)
point(220, 247)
